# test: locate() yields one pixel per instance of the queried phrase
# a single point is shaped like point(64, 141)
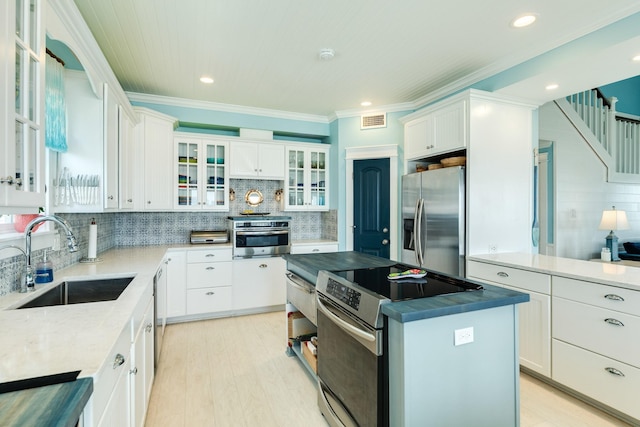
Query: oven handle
point(298, 282)
point(344, 325)
point(261, 233)
point(323, 393)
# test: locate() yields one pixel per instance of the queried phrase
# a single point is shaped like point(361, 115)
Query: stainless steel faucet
point(72, 243)
point(23, 287)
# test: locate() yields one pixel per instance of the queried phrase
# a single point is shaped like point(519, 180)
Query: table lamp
point(613, 220)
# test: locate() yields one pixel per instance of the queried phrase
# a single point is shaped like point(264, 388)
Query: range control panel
point(344, 294)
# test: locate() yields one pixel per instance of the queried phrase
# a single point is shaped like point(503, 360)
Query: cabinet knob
point(110, 197)
point(210, 268)
point(148, 202)
point(129, 200)
point(210, 293)
point(263, 266)
point(149, 327)
point(133, 371)
point(118, 361)
point(209, 255)
point(7, 180)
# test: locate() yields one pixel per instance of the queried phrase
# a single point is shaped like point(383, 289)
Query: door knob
point(385, 230)
point(385, 241)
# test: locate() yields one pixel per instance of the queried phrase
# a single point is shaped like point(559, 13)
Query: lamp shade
point(614, 220)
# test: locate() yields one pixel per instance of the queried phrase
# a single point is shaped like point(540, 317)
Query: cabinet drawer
point(209, 274)
point(611, 297)
point(302, 295)
point(314, 249)
point(209, 255)
point(208, 300)
point(523, 279)
point(106, 378)
point(589, 374)
point(610, 333)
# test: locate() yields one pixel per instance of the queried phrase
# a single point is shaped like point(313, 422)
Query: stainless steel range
point(254, 236)
point(352, 364)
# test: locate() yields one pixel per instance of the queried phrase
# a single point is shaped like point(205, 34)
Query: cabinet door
point(127, 157)
point(295, 195)
point(22, 176)
point(243, 159)
point(317, 182)
point(307, 179)
point(209, 300)
point(258, 282)
point(117, 411)
point(214, 175)
point(271, 161)
point(176, 283)
point(186, 178)
point(418, 138)
point(158, 140)
point(110, 141)
point(449, 128)
point(136, 378)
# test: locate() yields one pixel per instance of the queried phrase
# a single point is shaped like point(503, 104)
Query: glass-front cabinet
point(22, 185)
point(201, 174)
point(307, 179)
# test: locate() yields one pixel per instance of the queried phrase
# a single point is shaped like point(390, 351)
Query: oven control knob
point(385, 241)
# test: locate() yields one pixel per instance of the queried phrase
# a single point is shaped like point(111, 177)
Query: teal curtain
point(55, 107)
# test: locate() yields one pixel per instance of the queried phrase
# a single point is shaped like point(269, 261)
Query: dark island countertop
point(58, 405)
point(307, 266)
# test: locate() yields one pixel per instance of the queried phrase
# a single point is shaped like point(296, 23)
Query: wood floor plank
point(234, 372)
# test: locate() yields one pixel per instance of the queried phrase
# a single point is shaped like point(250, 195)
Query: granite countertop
point(307, 266)
point(609, 273)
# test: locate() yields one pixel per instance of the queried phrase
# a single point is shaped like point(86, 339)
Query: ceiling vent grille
point(373, 121)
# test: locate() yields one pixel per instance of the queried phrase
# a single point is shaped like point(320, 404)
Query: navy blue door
point(371, 207)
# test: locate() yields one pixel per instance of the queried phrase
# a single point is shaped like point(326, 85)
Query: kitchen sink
point(80, 291)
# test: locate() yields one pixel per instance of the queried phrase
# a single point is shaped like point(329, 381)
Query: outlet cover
point(463, 336)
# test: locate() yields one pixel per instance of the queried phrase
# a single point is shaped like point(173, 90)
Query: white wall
point(582, 192)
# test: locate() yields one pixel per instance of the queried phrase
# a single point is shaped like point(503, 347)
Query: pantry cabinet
point(307, 179)
point(22, 167)
point(257, 160)
point(155, 142)
point(201, 173)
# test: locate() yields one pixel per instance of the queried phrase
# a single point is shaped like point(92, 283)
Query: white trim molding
point(375, 152)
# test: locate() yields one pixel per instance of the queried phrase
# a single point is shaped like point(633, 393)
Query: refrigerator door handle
point(418, 238)
point(415, 232)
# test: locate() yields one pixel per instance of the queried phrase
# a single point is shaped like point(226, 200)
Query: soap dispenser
point(44, 270)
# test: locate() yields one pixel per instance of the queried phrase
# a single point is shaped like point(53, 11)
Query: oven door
point(350, 375)
point(248, 243)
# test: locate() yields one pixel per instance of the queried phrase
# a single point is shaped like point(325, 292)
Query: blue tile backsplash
point(167, 228)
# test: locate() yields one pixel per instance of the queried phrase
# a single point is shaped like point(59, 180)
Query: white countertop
point(49, 340)
point(610, 273)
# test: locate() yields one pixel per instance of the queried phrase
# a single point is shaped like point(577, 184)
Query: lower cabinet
point(314, 247)
point(534, 316)
point(209, 300)
point(176, 283)
point(142, 368)
point(209, 280)
point(259, 282)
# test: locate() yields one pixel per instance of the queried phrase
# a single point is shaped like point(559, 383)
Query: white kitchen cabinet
point(126, 160)
point(209, 280)
point(155, 136)
point(142, 367)
point(313, 247)
point(201, 174)
point(534, 316)
point(176, 283)
point(442, 130)
point(111, 133)
point(22, 168)
point(307, 178)
point(257, 160)
point(258, 283)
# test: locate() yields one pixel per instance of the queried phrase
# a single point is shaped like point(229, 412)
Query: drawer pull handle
point(134, 371)
point(615, 322)
point(502, 274)
point(210, 268)
point(614, 297)
point(149, 327)
point(263, 266)
point(614, 371)
point(118, 361)
point(316, 250)
point(210, 293)
point(209, 255)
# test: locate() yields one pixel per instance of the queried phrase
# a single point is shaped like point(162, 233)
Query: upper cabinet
point(22, 171)
point(439, 131)
point(257, 160)
point(201, 173)
point(307, 180)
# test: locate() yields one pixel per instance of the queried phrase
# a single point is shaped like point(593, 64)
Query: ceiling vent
point(373, 121)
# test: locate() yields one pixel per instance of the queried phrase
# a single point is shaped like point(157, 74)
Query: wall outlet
point(463, 336)
point(493, 248)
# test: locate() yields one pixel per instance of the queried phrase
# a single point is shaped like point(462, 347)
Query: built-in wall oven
point(260, 236)
point(353, 371)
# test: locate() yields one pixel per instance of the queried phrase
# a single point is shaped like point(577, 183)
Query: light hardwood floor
point(234, 372)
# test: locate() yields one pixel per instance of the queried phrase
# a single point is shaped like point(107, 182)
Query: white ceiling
point(265, 53)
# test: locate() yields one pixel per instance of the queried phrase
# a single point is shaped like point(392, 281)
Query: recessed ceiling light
point(326, 54)
point(552, 86)
point(524, 20)
point(365, 103)
point(207, 80)
point(636, 58)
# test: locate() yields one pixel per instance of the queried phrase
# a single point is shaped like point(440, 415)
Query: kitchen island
point(435, 379)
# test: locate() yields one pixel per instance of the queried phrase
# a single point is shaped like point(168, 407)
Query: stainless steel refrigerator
point(433, 220)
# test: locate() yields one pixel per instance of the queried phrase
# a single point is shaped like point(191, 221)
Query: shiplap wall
point(582, 192)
